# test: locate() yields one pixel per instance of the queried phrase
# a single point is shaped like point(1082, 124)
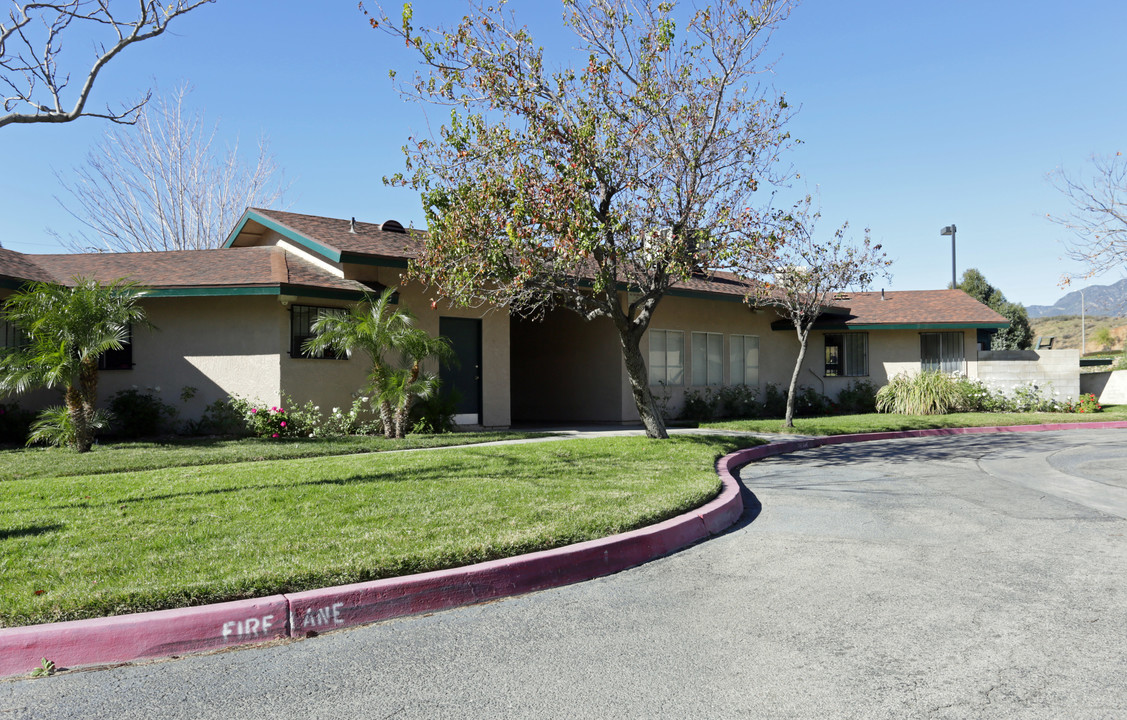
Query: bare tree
point(158, 185)
point(623, 174)
point(799, 275)
point(1098, 218)
point(31, 45)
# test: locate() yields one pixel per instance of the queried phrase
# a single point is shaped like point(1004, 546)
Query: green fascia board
point(786, 325)
point(291, 234)
point(703, 295)
point(271, 290)
point(354, 258)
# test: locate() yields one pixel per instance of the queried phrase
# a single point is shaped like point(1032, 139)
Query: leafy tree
point(160, 185)
point(1098, 216)
point(1104, 338)
point(67, 328)
point(33, 81)
point(1019, 335)
point(799, 275)
point(379, 329)
point(595, 187)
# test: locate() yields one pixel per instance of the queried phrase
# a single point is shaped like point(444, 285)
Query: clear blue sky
point(914, 115)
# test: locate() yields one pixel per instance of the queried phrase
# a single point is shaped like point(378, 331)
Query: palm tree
point(67, 328)
point(377, 328)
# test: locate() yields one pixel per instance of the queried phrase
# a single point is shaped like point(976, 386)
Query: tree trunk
point(803, 337)
point(86, 396)
point(640, 385)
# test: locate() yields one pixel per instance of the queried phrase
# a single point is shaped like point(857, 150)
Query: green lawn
point(881, 422)
point(89, 545)
point(184, 451)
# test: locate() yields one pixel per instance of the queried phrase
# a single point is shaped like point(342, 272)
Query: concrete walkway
point(949, 577)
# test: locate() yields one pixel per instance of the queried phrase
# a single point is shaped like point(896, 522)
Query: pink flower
point(253, 411)
point(274, 435)
point(283, 423)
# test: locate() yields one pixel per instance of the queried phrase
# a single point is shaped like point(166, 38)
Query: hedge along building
point(230, 321)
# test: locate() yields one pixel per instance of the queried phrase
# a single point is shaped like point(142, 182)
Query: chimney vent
point(352, 226)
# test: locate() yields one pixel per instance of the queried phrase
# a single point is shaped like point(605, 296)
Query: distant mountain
point(1108, 300)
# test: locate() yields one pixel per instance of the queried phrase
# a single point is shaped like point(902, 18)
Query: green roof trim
point(291, 234)
point(355, 258)
point(269, 290)
point(786, 325)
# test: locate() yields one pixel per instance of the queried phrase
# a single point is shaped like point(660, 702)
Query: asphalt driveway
point(967, 576)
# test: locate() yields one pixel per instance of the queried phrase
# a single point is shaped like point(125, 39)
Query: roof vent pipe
point(352, 226)
point(882, 293)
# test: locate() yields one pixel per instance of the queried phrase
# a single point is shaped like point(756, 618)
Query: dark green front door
point(464, 377)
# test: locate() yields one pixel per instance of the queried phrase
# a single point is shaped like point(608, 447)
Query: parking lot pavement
point(967, 576)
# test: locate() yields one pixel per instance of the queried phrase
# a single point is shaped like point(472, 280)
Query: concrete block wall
point(1007, 368)
point(1109, 387)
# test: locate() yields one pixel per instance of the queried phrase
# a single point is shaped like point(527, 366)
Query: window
point(708, 358)
point(743, 359)
point(302, 318)
point(11, 337)
point(119, 359)
point(667, 357)
point(942, 351)
point(847, 354)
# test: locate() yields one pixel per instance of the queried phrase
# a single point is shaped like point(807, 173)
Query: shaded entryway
point(566, 369)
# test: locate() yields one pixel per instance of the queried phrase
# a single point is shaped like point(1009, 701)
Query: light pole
point(950, 230)
point(1083, 326)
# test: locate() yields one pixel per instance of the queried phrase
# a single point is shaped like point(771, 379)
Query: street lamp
point(950, 230)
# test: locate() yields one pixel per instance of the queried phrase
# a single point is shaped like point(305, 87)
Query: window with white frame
point(743, 359)
point(708, 358)
point(847, 354)
point(667, 357)
point(942, 351)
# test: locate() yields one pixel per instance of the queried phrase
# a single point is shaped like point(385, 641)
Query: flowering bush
point(1086, 403)
point(292, 420)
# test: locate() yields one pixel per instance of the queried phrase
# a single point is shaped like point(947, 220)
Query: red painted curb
point(170, 632)
point(347, 605)
point(143, 635)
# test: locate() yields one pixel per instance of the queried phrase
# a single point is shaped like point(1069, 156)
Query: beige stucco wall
point(777, 350)
point(891, 353)
point(495, 411)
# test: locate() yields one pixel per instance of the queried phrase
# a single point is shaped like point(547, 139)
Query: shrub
point(774, 401)
point(435, 415)
point(139, 414)
point(700, 404)
point(222, 417)
point(809, 402)
point(740, 401)
point(55, 426)
point(857, 398)
point(927, 393)
point(15, 423)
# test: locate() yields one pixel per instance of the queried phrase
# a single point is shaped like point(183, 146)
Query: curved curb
point(124, 638)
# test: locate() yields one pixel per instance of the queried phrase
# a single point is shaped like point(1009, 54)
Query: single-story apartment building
point(231, 321)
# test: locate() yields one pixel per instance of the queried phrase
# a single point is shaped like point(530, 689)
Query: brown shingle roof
point(17, 266)
point(229, 267)
point(334, 234)
point(909, 307)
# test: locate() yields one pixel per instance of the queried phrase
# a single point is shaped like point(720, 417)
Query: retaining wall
point(1006, 368)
